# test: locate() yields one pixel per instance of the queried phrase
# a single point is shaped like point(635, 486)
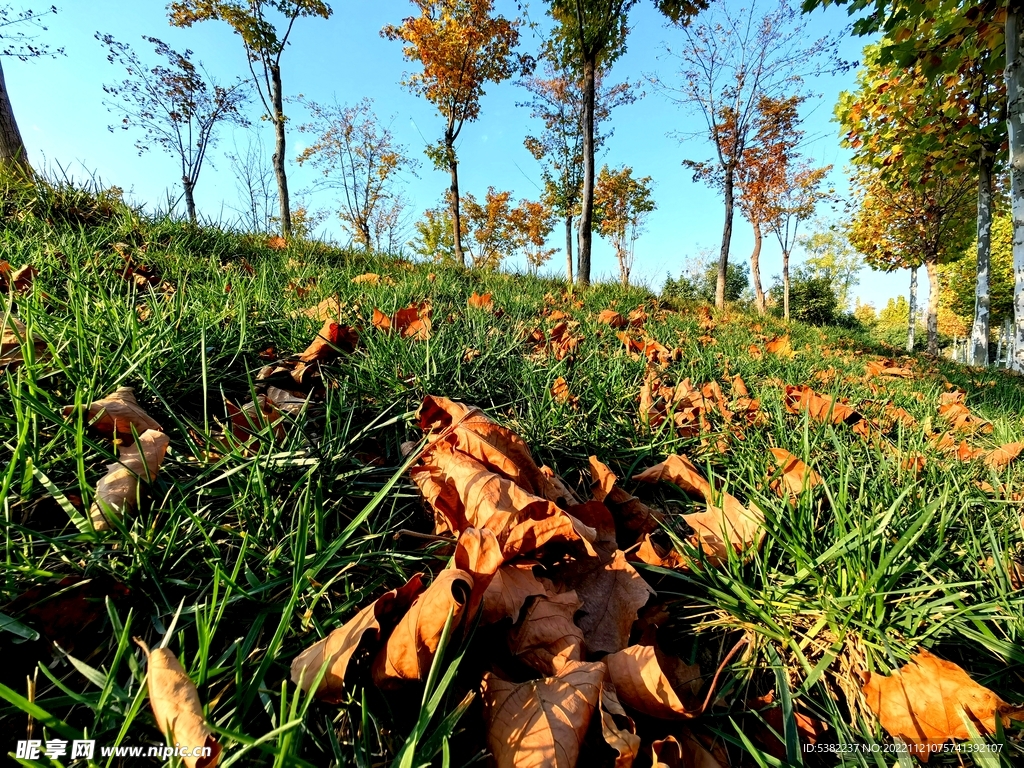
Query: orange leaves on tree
point(925, 702)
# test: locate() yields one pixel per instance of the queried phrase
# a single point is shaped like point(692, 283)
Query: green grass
point(241, 562)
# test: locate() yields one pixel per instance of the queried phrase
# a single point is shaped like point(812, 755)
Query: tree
point(621, 206)
point(264, 43)
point(533, 221)
point(254, 181)
point(16, 41)
point(496, 231)
point(762, 175)
point(462, 46)
point(905, 222)
point(812, 296)
point(700, 278)
point(590, 35)
point(358, 157)
point(435, 236)
point(728, 62)
point(176, 106)
point(830, 256)
point(557, 101)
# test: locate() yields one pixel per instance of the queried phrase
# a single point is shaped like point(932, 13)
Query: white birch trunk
point(913, 310)
point(980, 329)
point(1015, 126)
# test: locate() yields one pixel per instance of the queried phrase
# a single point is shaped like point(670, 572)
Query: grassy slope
point(252, 558)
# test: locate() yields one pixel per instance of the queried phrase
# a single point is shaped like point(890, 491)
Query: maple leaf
point(795, 476)
point(478, 301)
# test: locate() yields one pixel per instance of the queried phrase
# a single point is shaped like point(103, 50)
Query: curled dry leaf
point(251, 419)
point(641, 683)
point(413, 322)
point(959, 416)
point(14, 335)
point(780, 346)
point(369, 627)
point(116, 415)
point(508, 591)
point(478, 301)
point(719, 528)
point(176, 706)
point(560, 391)
point(686, 752)
point(825, 409)
point(478, 553)
point(627, 510)
point(330, 340)
point(612, 318)
point(19, 280)
point(618, 728)
point(542, 723)
point(921, 703)
point(117, 491)
point(875, 368)
point(546, 631)
point(370, 278)
point(1003, 455)
point(653, 553)
point(409, 651)
point(792, 476)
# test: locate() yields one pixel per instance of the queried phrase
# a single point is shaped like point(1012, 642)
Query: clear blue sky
point(59, 106)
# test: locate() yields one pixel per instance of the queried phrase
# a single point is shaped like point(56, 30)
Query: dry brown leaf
point(618, 728)
point(542, 723)
point(824, 408)
point(14, 333)
point(328, 309)
point(276, 243)
point(960, 417)
point(369, 278)
point(478, 301)
point(1003, 455)
point(116, 415)
point(546, 631)
point(652, 553)
point(719, 528)
point(508, 591)
point(21, 279)
point(739, 388)
point(337, 649)
point(560, 391)
point(641, 683)
point(811, 729)
point(612, 318)
point(875, 368)
point(251, 419)
point(628, 511)
point(796, 476)
point(329, 342)
point(117, 491)
point(409, 651)
point(176, 706)
point(478, 553)
point(686, 752)
point(637, 317)
point(921, 703)
point(413, 322)
point(780, 346)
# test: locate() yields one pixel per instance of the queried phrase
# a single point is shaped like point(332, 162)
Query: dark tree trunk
point(12, 148)
point(1015, 125)
point(912, 323)
point(723, 256)
point(755, 268)
point(568, 248)
point(278, 119)
point(980, 329)
point(190, 199)
point(586, 233)
point(453, 169)
point(933, 305)
point(785, 284)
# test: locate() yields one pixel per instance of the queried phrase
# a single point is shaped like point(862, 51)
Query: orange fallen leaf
point(14, 335)
point(618, 728)
point(117, 491)
point(612, 318)
point(780, 346)
point(380, 320)
point(686, 752)
point(959, 415)
point(921, 703)
point(629, 511)
point(478, 301)
point(176, 706)
point(796, 476)
point(641, 683)
point(755, 352)
point(116, 415)
point(824, 408)
point(329, 342)
point(276, 243)
point(21, 279)
point(653, 553)
point(887, 368)
point(511, 586)
point(413, 322)
point(328, 309)
point(541, 722)
point(560, 391)
point(546, 630)
point(371, 625)
point(1003, 455)
point(369, 278)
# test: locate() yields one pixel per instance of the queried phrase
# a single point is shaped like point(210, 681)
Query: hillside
point(267, 528)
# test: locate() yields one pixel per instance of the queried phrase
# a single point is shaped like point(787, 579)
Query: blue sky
point(59, 107)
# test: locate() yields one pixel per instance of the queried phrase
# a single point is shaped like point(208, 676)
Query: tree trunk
point(1015, 125)
point(980, 329)
point(190, 200)
point(932, 268)
point(620, 253)
point(453, 169)
point(568, 248)
point(785, 285)
point(12, 148)
point(278, 119)
point(755, 269)
point(723, 256)
point(912, 322)
point(586, 234)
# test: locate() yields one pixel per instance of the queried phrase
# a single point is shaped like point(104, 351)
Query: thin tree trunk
point(12, 148)
point(912, 323)
point(190, 200)
point(568, 248)
point(586, 234)
point(1015, 125)
point(755, 269)
point(277, 103)
point(785, 285)
point(723, 256)
point(453, 169)
point(623, 267)
point(933, 305)
point(980, 329)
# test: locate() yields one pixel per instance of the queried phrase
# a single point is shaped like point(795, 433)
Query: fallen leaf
point(541, 723)
point(64, 610)
point(22, 278)
point(641, 683)
point(370, 278)
point(409, 651)
point(330, 340)
point(546, 630)
point(327, 310)
point(478, 301)
point(960, 417)
point(117, 491)
point(560, 391)
point(116, 415)
point(876, 368)
point(685, 752)
point(796, 476)
point(1003, 455)
point(824, 408)
point(653, 553)
point(276, 243)
point(176, 706)
point(14, 334)
point(780, 346)
point(511, 586)
point(618, 728)
point(612, 318)
point(628, 511)
point(810, 729)
point(372, 625)
point(921, 703)
point(413, 322)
